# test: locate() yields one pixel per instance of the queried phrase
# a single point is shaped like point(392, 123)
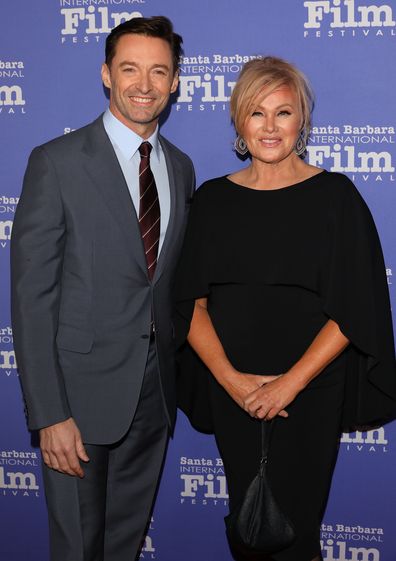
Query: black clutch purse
point(258, 524)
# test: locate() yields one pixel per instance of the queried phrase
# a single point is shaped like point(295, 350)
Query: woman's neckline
point(278, 189)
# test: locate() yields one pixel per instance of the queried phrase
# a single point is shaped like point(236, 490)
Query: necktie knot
point(145, 149)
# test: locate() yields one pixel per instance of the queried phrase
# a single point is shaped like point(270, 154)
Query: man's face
point(140, 78)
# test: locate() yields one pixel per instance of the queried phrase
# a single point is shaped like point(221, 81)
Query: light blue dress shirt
point(126, 146)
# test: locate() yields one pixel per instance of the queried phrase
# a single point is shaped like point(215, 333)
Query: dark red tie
point(149, 209)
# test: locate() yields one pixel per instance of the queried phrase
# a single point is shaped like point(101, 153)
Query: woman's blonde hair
point(259, 78)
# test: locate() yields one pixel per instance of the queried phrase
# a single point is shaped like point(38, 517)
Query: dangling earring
point(301, 144)
point(240, 146)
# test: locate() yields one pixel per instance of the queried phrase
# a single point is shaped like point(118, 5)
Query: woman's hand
point(267, 401)
point(242, 387)
point(270, 400)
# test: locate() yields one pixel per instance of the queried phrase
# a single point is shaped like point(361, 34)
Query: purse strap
point(267, 428)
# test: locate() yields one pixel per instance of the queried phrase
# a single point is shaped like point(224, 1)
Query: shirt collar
point(125, 139)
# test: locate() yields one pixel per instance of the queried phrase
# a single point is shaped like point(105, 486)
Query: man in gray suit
point(95, 243)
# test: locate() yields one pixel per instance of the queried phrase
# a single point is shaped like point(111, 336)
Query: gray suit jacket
point(81, 297)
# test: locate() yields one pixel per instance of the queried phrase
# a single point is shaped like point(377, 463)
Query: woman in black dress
point(282, 292)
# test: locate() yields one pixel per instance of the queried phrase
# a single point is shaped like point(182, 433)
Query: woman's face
point(271, 131)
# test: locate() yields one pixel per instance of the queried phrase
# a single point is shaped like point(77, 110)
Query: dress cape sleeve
point(191, 283)
point(355, 295)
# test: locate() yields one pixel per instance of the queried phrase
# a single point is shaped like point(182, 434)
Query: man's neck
point(144, 130)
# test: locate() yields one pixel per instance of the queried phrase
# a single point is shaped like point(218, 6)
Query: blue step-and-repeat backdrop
point(50, 57)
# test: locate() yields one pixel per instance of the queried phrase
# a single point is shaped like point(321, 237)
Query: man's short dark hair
point(157, 26)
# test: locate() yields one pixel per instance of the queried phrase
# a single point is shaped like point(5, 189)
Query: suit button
point(145, 336)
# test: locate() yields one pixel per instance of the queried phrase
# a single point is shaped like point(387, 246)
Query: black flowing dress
point(275, 265)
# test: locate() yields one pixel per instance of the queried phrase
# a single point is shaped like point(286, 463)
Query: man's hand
point(62, 448)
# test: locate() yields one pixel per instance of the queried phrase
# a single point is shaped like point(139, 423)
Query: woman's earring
point(240, 146)
point(301, 144)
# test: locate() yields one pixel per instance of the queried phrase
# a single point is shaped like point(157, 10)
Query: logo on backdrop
point(8, 206)
point(88, 21)
point(362, 152)
point(148, 550)
point(8, 365)
point(12, 99)
point(348, 18)
point(19, 473)
point(365, 441)
point(203, 481)
point(389, 275)
point(342, 542)
point(207, 81)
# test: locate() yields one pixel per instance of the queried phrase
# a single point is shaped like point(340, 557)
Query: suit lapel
point(176, 211)
point(103, 168)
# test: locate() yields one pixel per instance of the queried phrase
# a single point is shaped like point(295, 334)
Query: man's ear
point(106, 75)
point(175, 82)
